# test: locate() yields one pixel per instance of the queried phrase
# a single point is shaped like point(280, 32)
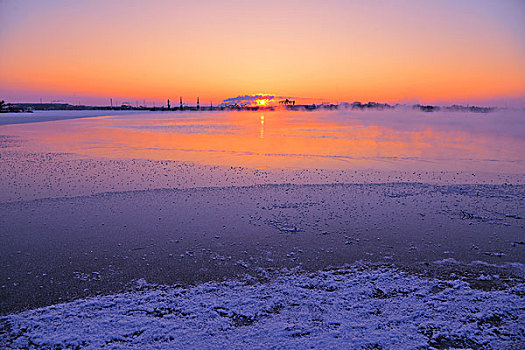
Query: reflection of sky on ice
point(396, 140)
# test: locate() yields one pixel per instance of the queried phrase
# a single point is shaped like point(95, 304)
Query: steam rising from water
point(270, 100)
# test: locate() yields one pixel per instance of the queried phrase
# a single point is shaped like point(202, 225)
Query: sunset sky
point(339, 50)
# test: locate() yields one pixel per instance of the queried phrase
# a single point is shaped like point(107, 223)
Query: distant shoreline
point(30, 107)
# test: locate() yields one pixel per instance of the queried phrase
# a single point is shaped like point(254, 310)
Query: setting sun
point(263, 102)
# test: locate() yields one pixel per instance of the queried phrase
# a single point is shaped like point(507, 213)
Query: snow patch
point(357, 307)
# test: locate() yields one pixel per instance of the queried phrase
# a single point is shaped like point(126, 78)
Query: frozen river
point(98, 204)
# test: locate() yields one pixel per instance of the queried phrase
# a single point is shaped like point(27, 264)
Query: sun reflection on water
point(262, 127)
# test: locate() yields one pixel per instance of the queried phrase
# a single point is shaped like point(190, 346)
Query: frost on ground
point(350, 308)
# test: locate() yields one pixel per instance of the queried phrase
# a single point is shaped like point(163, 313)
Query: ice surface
point(74, 247)
point(27, 176)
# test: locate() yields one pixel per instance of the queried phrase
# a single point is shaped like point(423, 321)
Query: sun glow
point(263, 102)
point(360, 60)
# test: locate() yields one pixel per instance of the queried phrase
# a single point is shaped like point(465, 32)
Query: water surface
point(383, 140)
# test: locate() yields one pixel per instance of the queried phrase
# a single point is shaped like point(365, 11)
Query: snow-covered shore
point(49, 116)
point(350, 308)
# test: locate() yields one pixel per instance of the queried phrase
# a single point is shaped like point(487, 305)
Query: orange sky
point(336, 49)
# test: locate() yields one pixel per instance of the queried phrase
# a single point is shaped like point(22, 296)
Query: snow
point(49, 116)
point(358, 307)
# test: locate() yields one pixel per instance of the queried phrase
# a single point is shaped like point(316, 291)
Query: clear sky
point(426, 51)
